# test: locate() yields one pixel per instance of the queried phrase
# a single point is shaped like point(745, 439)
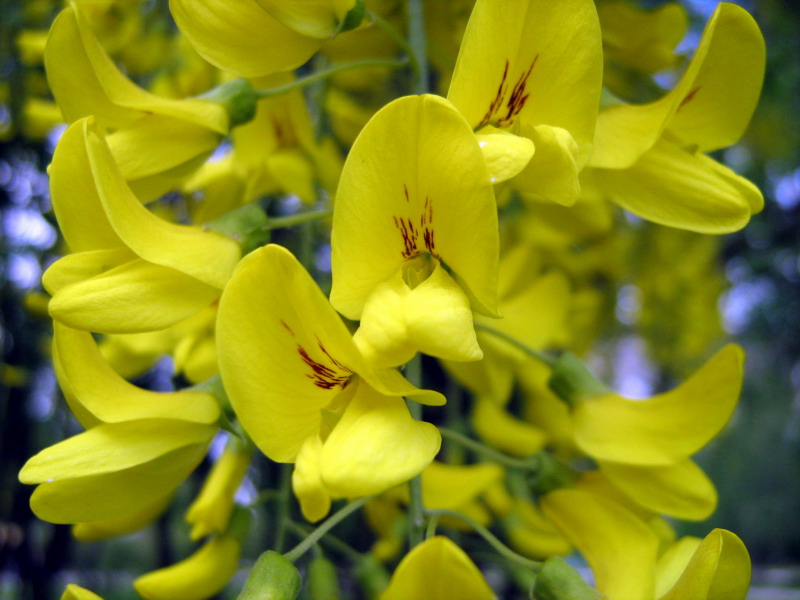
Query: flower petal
point(135, 296)
point(313, 18)
point(205, 255)
point(310, 490)
point(434, 317)
point(85, 81)
point(711, 105)
point(76, 204)
point(553, 173)
point(718, 570)
point(115, 494)
point(241, 36)
point(375, 446)
point(620, 548)
point(437, 569)
point(672, 186)
point(80, 266)
point(506, 154)
point(88, 380)
point(681, 490)
point(113, 447)
point(197, 577)
point(666, 428)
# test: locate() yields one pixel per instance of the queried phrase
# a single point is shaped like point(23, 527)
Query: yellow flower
point(667, 428)
point(211, 510)
point(200, 576)
point(130, 270)
point(414, 239)
point(623, 553)
point(155, 141)
point(138, 447)
point(533, 69)
point(305, 394)
point(437, 569)
point(651, 159)
point(253, 38)
point(643, 447)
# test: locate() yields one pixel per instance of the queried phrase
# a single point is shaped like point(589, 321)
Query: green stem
point(433, 523)
point(320, 75)
point(330, 540)
point(282, 516)
point(320, 531)
point(490, 453)
point(416, 39)
point(493, 541)
point(547, 359)
point(416, 509)
point(298, 219)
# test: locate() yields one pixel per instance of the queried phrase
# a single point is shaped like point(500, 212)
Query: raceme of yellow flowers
point(295, 273)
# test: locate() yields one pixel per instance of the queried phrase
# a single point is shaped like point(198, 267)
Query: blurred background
point(755, 464)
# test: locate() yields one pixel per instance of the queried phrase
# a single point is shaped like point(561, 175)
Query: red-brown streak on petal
point(409, 234)
point(279, 132)
point(427, 220)
point(689, 97)
point(518, 97)
point(498, 98)
point(323, 377)
point(286, 326)
point(333, 360)
point(405, 192)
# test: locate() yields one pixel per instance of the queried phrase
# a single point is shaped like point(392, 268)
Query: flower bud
point(272, 578)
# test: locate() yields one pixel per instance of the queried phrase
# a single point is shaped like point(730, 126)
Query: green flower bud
point(272, 578)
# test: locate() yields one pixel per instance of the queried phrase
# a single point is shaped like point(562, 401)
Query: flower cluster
point(211, 215)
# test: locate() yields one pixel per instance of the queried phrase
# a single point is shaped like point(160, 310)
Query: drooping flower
point(138, 447)
point(130, 270)
point(155, 141)
point(304, 392)
point(651, 159)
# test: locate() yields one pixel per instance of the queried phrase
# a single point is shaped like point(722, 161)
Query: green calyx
point(571, 381)
point(353, 17)
point(559, 581)
point(246, 225)
point(239, 99)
